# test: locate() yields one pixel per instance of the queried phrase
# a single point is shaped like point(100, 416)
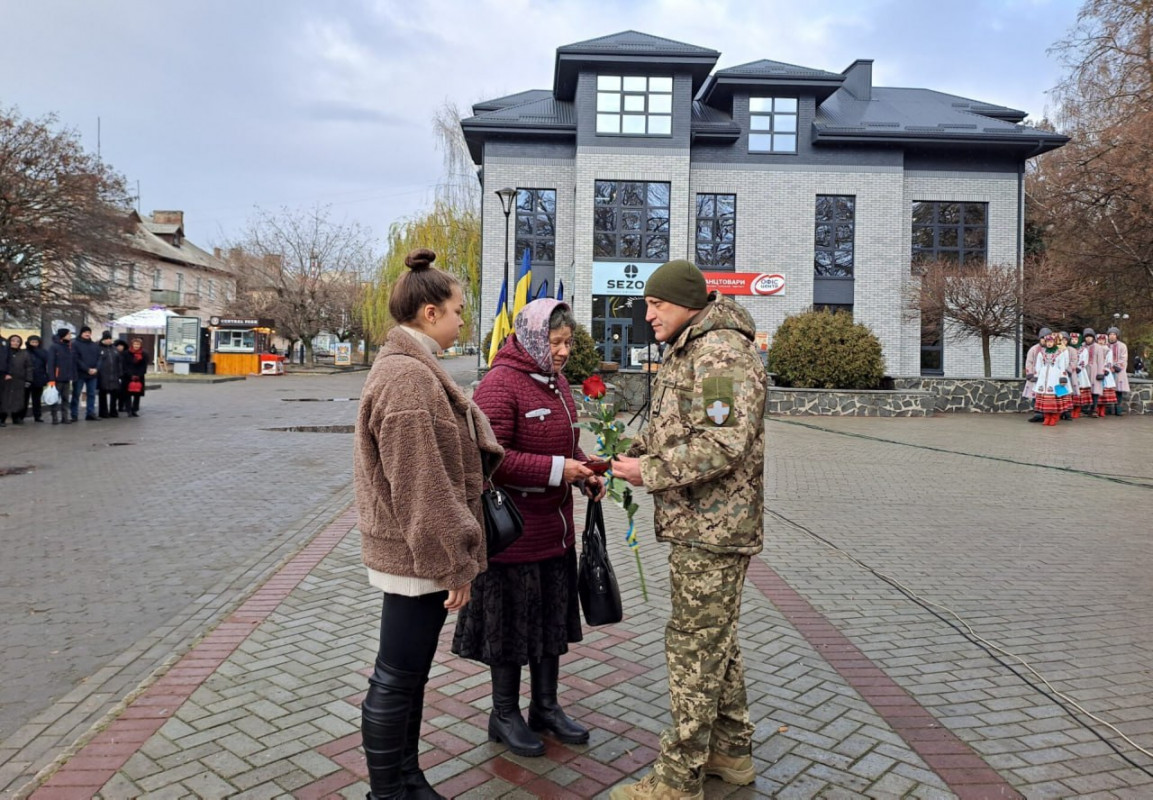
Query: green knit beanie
point(678, 282)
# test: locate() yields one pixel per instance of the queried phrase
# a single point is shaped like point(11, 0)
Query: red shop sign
point(747, 283)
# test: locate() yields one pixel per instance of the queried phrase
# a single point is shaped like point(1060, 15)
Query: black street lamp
point(506, 196)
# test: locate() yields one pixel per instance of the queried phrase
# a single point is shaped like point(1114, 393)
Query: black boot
point(544, 712)
point(1119, 410)
point(505, 724)
point(416, 785)
point(1036, 417)
point(384, 727)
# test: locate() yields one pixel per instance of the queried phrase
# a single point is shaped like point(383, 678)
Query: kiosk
point(238, 343)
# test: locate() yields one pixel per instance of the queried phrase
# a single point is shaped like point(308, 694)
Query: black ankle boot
point(505, 724)
point(416, 786)
point(384, 717)
point(544, 712)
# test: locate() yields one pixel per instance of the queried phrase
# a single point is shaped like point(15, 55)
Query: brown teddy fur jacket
point(418, 469)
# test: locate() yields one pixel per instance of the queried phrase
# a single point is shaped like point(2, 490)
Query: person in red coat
point(525, 608)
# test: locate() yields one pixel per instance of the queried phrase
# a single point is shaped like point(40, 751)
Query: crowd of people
point(424, 454)
point(109, 374)
point(1073, 375)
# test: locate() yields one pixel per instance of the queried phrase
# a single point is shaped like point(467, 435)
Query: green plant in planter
point(823, 350)
point(584, 358)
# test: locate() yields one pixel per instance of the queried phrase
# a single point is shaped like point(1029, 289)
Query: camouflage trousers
point(706, 675)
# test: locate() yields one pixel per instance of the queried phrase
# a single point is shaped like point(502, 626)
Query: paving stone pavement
point(857, 689)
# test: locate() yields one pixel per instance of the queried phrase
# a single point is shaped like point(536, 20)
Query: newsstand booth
point(240, 344)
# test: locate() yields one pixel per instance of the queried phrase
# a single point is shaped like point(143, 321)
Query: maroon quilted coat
point(532, 416)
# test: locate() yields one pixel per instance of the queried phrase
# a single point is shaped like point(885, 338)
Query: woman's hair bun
point(419, 259)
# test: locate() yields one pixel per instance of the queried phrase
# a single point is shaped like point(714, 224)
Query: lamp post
point(506, 195)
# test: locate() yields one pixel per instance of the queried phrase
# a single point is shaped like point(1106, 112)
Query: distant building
point(792, 187)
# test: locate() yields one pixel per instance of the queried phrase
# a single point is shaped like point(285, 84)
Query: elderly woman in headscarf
point(525, 609)
point(13, 397)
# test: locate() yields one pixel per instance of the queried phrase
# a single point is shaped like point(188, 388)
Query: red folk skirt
point(1107, 397)
point(1086, 398)
point(1051, 404)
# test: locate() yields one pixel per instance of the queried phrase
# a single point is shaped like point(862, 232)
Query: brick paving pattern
point(856, 690)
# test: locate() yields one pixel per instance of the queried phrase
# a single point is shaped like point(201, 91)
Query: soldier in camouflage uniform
point(702, 459)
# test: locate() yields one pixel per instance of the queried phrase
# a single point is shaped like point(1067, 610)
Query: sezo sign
point(628, 279)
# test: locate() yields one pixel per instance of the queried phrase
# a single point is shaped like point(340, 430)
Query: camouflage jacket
point(702, 453)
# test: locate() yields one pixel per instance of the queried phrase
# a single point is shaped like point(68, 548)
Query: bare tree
point(63, 220)
point(1094, 197)
point(989, 302)
point(295, 265)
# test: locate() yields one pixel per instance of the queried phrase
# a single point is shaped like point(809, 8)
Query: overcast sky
point(217, 106)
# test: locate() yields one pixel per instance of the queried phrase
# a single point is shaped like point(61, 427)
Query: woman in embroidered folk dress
point(1119, 356)
point(1107, 399)
point(1080, 383)
point(421, 449)
point(525, 607)
point(1029, 391)
point(1052, 364)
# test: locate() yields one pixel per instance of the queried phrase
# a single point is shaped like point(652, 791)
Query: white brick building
point(641, 153)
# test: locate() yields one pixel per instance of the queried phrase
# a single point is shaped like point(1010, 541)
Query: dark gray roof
point(773, 69)
point(923, 115)
point(771, 76)
point(634, 42)
point(630, 52)
point(543, 117)
point(712, 124)
point(511, 100)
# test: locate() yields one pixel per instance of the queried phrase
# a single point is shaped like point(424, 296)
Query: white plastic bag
point(50, 396)
point(1109, 382)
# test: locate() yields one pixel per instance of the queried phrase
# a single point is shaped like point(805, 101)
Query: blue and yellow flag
point(500, 325)
point(542, 290)
point(560, 290)
point(523, 284)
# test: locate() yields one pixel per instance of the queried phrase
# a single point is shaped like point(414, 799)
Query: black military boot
point(384, 718)
point(505, 724)
point(416, 786)
point(544, 711)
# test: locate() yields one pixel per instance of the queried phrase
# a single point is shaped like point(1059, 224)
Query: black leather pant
point(392, 710)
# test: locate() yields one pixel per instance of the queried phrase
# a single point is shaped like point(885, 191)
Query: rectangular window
point(835, 221)
point(932, 345)
point(634, 106)
point(536, 225)
point(114, 275)
point(157, 279)
point(132, 277)
point(631, 221)
point(772, 125)
point(717, 231)
point(235, 341)
point(211, 289)
point(955, 232)
point(180, 282)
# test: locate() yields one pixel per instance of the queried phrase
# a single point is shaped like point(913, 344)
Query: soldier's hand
point(628, 469)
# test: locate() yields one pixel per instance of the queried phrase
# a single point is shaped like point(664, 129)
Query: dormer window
point(772, 125)
point(634, 105)
point(176, 238)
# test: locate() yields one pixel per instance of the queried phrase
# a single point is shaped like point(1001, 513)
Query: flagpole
point(506, 195)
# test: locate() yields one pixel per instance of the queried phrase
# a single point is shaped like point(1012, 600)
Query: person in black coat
point(61, 373)
point(87, 361)
point(133, 367)
point(122, 403)
point(39, 358)
point(13, 400)
point(108, 375)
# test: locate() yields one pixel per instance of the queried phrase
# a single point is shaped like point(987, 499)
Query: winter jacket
point(1098, 363)
point(1119, 355)
point(702, 455)
point(87, 354)
point(4, 358)
point(418, 471)
point(39, 359)
point(1051, 370)
point(108, 368)
point(1029, 391)
point(532, 416)
point(61, 362)
point(132, 368)
point(12, 387)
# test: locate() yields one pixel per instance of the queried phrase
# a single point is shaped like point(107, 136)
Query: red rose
point(594, 388)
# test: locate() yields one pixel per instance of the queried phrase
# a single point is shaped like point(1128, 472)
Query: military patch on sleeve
point(718, 397)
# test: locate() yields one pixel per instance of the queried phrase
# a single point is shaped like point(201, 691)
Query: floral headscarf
point(531, 327)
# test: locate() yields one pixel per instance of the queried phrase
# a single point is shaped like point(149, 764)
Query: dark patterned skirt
point(1108, 397)
point(520, 611)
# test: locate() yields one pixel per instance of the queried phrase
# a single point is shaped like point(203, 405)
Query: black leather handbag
point(503, 523)
point(600, 596)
